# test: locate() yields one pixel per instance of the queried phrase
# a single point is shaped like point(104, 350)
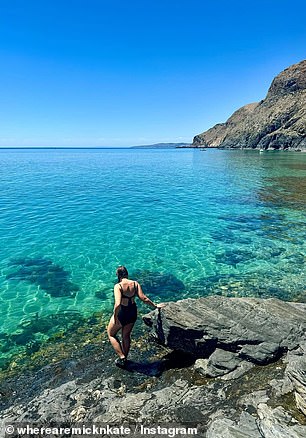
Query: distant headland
point(161, 146)
point(276, 122)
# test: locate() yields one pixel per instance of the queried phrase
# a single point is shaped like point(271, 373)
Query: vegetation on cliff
point(277, 122)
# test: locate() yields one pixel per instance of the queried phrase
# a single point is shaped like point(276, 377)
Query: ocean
point(185, 222)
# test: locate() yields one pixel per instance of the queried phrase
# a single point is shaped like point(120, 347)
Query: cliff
point(277, 122)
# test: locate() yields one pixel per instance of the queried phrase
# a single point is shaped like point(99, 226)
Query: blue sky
point(119, 73)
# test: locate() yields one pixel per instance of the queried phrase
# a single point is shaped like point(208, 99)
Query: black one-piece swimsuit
point(127, 314)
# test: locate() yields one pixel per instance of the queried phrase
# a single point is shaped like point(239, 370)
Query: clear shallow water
point(184, 222)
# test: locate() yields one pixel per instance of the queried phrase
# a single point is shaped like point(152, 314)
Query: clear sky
point(119, 73)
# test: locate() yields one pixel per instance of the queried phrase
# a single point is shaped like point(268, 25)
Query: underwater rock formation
point(32, 333)
point(157, 283)
point(42, 272)
point(102, 294)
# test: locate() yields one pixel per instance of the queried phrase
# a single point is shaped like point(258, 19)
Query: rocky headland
point(276, 122)
point(235, 367)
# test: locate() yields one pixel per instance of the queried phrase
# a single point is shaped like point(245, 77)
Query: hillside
point(277, 122)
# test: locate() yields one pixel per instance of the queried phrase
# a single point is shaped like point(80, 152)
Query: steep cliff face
point(277, 122)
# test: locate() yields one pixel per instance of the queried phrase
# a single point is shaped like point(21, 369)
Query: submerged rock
point(102, 294)
point(44, 273)
point(31, 334)
point(233, 257)
point(157, 283)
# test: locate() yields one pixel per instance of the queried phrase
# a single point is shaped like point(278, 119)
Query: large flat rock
point(256, 330)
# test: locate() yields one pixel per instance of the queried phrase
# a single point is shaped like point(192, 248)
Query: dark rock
point(102, 294)
point(30, 333)
point(233, 257)
point(219, 363)
point(157, 283)
point(277, 122)
point(44, 273)
point(261, 353)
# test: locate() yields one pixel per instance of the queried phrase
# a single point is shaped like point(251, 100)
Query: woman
point(125, 313)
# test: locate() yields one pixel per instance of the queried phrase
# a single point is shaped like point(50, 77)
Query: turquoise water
point(184, 222)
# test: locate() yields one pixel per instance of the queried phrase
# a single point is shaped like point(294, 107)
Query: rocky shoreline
point(234, 366)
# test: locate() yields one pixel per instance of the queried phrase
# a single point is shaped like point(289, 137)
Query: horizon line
point(63, 147)
point(89, 147)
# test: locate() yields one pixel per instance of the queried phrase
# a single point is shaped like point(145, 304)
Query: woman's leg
point(126, 338)
point(112, 330)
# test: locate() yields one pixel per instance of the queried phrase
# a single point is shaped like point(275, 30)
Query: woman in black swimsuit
point(125, 313)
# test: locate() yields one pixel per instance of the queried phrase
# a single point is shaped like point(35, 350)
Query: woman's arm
point(117, 294)
point(145, 299)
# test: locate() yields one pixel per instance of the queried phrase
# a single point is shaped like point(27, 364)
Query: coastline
point(228, 148)
point(161, 384)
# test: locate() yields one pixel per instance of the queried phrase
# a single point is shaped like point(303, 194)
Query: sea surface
point(185, 222)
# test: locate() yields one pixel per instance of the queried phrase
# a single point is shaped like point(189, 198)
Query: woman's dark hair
point(121, 273)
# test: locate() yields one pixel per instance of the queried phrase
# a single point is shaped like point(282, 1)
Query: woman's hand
point(159, 306)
